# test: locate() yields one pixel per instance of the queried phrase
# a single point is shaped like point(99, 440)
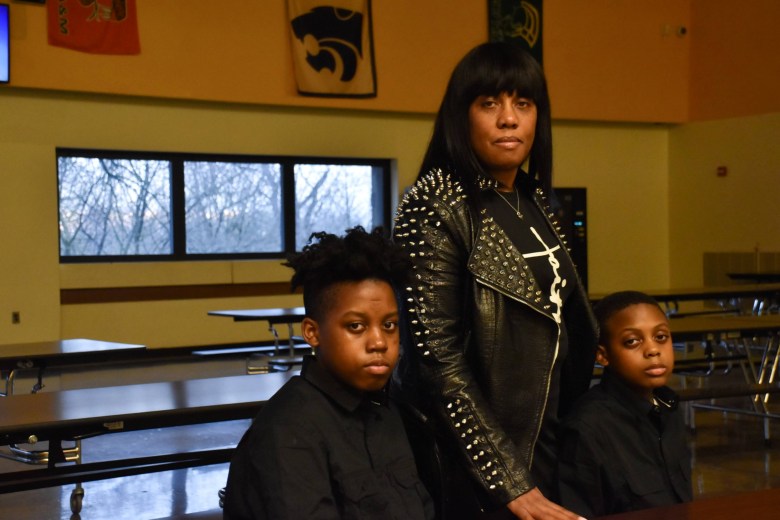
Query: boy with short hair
point(624, 446)
point(330, 444)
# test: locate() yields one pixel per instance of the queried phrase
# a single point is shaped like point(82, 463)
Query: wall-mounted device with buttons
point(571, 212)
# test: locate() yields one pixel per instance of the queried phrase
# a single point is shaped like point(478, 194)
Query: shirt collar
point(666, 397)
point(343, 395)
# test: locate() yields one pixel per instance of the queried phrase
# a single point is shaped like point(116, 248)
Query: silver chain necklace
point(515, 209)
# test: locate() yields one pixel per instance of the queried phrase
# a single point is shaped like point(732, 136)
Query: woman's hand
point(534, 506)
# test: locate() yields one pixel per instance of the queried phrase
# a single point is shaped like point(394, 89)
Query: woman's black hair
point(329, 259)
point(488, 70)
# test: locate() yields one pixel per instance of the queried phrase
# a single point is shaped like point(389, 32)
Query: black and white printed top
point(555, 274)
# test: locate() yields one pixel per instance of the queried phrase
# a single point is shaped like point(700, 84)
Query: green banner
point(517, 20)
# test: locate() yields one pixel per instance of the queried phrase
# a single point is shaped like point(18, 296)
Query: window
point(233, 207)
point(5, 39)
point(128, 206)
point(347, 188)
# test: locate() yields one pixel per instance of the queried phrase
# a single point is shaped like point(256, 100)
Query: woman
point(502, 335)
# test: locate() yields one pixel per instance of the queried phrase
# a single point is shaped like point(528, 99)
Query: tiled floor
point(730, 456)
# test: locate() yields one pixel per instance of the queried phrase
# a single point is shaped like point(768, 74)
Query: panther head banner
point(332, 47)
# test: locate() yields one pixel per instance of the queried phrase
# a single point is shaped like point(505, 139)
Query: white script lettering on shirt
point(555, 292)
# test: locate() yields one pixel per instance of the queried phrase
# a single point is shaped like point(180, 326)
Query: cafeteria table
point(750, 341)
point(756, 277)
point(58, 353)
point(46, 354)
point(762, 296)
point(273, 316)
point(755, 505)
point(67, 415)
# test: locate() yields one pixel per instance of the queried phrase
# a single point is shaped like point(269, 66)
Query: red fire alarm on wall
point(722, 171)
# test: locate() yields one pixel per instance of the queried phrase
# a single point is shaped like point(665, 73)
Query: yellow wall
point(240, 52)
point(655, 204)
point(624, 169)
point(735, 213)
point(34, 124)
point(735, 58)
point(29, 270)
point(605, 158)
point(617, 60)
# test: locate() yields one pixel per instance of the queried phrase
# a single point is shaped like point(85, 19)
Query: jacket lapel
point(498, 264)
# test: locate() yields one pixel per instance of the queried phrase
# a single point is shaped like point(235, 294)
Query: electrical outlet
point(16, 317)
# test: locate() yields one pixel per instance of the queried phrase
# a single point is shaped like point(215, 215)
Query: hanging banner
point(94, 26)
point(332, 47)
point(510, 20)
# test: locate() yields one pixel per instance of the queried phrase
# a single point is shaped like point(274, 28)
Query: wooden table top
point(766, 276)
point(707, 293)
point(271, 315)
point(64, 350)
point(696, 326)
point(755, 505)
point(97, 410)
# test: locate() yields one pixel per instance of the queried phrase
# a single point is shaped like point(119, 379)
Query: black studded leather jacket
point(482, 344)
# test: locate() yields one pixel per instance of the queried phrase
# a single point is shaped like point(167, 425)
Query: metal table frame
point(742, 337)
point(273, 316)
point(70, 415)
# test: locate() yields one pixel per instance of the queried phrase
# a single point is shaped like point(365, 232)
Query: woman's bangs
point(510, 76)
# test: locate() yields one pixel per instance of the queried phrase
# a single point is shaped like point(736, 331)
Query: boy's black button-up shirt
point(621, 453)
point(319, 449)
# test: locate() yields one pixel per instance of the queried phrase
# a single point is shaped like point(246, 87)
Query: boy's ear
point(311, 332)
point(602, 358)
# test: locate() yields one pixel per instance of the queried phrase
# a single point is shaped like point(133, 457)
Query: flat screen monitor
point(5, 54)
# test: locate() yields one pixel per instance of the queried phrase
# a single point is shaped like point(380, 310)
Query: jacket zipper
point(551, 226)
point(549, 373)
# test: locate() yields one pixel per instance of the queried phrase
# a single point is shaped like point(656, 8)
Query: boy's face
point(639, 349)
point(357, 337)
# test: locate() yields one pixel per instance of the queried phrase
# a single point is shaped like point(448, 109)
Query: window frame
point(382, 170)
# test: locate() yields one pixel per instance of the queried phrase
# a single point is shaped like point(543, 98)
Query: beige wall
point(29, 265)
point(735, 58)
point(624, 168)
point(608, 159)
point(240, 52)
point(655, 205)
point(33, 124)
point(735, 213)
point(617, 60)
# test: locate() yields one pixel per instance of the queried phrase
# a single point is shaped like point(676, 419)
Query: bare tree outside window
point(233, 207)
point(137, 206)
point(114, 207)
point(333, 198)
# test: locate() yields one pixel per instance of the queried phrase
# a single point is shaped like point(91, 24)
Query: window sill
point(119, 282)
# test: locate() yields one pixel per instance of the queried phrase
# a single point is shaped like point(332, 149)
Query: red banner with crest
point(94, 26)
